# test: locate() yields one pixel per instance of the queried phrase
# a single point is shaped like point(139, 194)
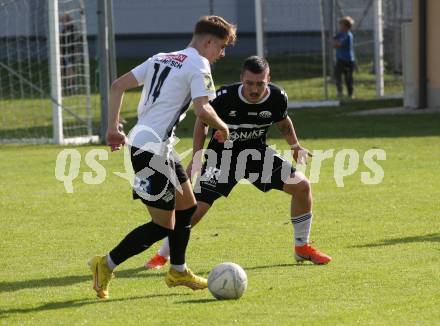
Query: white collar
point(240, 88)
point(194, 50)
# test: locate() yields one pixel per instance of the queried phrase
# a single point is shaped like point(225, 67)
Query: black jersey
point(248, 122)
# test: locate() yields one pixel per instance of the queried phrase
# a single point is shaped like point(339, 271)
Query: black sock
point(179, 237)
point(137, 241)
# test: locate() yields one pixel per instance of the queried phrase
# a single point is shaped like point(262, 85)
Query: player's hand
point(115, 139)
point(300, 155)
point(194, 166)
point(221, 135)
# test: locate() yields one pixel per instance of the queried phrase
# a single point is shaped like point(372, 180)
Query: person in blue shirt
point(343, 43)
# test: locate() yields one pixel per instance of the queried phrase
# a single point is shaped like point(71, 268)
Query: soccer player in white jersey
point(250, 108)
point(170, 81)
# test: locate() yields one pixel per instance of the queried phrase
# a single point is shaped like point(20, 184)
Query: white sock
point(110, 262)
point(179, 268)
point(301, 228)
point(164, 250)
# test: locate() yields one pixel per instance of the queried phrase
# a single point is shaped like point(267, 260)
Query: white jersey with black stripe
point(170, 81)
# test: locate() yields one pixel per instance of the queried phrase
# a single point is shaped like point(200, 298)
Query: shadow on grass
point(139, 272)
point(433, 237)
point(302, 264)
point(70, 280)
point(78, 303)
point(274, 266)
point(211, 300)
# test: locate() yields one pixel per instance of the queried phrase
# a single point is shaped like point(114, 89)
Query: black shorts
point(156, 178)
point(263, 167)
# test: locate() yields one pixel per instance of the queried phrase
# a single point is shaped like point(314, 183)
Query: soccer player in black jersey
point(249, 108)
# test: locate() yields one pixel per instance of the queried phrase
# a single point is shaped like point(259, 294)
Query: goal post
point(259, 29)
point(55, 71)
point(378, 47)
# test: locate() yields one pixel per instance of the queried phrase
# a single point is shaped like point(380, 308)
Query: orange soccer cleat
point(307, 252)
point(156, 262)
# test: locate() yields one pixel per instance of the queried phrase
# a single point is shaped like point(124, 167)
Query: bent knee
point(299, 185)
point(304, 186)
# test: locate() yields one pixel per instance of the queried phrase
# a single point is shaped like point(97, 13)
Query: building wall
point(145, 27)
point(158, 16)
point(433, 50)
point(433, 53)
point(177, 16)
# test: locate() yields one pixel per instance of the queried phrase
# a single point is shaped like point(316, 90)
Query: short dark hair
point(217, 26)
point(255, 64)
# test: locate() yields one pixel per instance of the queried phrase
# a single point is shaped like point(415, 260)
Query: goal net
point(44, 72)
point(298, 37)
point(365, 14)
point(292, 44)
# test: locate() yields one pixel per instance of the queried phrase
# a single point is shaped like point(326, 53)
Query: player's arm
point(341, 42)
point(285, 126)
point(115, 137)
point(199, 137)
point(206, 113)
point(336, 43)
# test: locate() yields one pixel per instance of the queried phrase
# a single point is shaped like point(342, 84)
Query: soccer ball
point(227, 281)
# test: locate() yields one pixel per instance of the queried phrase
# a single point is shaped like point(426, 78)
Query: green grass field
point(384, 239)
point(300, 75)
